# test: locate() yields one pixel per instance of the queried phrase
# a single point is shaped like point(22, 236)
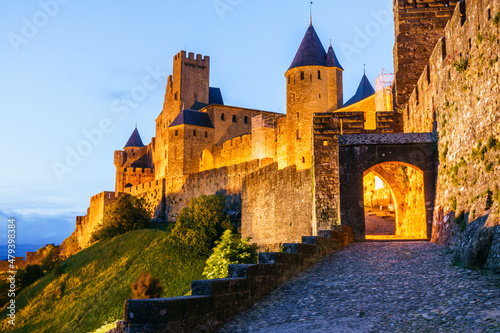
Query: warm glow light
point(378, 183)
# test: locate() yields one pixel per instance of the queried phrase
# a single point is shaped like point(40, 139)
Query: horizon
point(71, 68)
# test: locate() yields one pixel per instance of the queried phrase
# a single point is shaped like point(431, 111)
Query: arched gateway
point(405, 163)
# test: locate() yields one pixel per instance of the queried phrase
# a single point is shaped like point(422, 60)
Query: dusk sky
point(68, 66)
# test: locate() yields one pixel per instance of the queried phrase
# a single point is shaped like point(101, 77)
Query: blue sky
point(68, 66)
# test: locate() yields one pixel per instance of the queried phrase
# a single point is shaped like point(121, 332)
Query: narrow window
point(311, 77)
point(234, 118)
point(245, 120)
point(196, 97)
point(303, 159)
point(489, 13)
point(222, 117)
point(206, 134)
point(325, 143)
point(298, 115)
point(194, 132)
point(298, 134)
point(176, 132)
point(302, 75)
point(319, 74)
point(319, 95)
point(293, 97)
point(288, 79)
point(175, 96)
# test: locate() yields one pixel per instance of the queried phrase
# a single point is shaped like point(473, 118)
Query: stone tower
point(133, 164)
point(188, 86)
point(314, 84)
point(419, 24)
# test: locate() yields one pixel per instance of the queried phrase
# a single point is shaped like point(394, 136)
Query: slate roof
point(365, 89)
point(331, 59)
point(134, 140)
point(214, 97)
point(192, 117)
point(312, 53)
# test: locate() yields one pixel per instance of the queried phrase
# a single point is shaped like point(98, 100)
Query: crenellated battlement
point(190, 58)
point(144, 171)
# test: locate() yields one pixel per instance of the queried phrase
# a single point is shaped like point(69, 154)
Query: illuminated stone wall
point(277, 206)
point(459, 88)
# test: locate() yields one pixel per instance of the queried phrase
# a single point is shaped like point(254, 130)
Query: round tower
point(314, 84)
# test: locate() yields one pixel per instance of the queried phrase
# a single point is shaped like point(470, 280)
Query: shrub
point(146, 287)
point(29, 275)
point(200, 224)
point(58, 270)
point(229, 250)
point(127, 214)
point(461, 65)
point(50, 256)
point(496, 19)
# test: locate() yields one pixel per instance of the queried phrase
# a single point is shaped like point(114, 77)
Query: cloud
point(38, 229)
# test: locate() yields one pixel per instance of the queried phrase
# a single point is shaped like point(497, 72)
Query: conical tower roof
point(331, 58)
point(365, 89)
point(311, 52)
point(135, 140)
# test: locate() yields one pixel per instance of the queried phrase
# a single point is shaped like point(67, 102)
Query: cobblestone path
point(379, 287)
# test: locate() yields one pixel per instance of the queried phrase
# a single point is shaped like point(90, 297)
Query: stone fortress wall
point(457, 97)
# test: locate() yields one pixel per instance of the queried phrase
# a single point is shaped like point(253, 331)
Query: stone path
point(379, 287)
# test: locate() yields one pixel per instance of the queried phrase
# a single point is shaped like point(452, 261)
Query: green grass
point(96, 282)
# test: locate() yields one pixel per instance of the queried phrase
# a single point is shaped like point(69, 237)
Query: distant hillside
point(96, 282)
point(21, 250)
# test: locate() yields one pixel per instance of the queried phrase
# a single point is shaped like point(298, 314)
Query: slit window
point(194, 132)
point(319, 74)
point(234, 118)
point(298, 134)
point(303, 159)
point(245, 120)
point(176, 132)
point(206, 134)
point(222, 117)
point(302, 75)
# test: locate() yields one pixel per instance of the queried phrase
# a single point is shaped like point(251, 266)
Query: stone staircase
point(215, 301)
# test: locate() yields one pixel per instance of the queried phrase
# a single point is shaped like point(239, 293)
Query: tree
point(29, 275)
point(229, 250)
point(49, 256)
point(201, 223)
point(127, 214)
point(146, 287)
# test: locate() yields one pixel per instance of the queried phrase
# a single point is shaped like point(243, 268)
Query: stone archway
point(206, 160)
point(406, 185)
point(360, 153)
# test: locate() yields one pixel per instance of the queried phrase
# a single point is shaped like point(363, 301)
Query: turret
point(314, 84)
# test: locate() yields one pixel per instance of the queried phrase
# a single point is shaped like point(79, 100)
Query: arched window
point(128, 185)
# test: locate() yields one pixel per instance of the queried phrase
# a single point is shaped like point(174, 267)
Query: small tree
point(127, 214)
point(200, 224)
point(49, 256)
point(146, 287)
point(229, 250)
point(29, 275)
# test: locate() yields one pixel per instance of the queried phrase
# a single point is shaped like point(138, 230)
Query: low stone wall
point(214, 302)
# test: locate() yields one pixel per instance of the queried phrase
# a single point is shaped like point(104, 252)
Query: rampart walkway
point(379, 287)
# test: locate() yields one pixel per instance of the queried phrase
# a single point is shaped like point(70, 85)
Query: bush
point(200, 224)
point(229, 250)
point(146, 287)
point(127, 214)
point(29, 275)
point(50, 256)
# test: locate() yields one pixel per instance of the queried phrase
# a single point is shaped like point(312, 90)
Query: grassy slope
point(97, 282)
